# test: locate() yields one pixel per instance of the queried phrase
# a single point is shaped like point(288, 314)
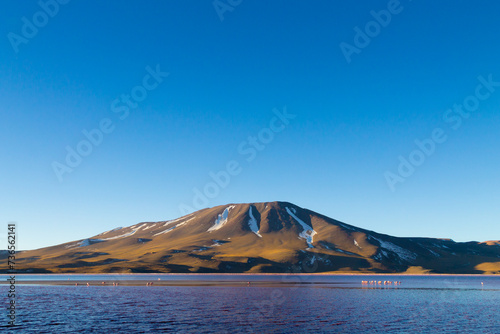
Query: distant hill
point(272, 237)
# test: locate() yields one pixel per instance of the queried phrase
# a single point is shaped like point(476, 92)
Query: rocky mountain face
point(272, 237)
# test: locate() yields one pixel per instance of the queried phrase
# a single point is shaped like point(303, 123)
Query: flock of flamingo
point(116, 284)
point(102, 283)
point(381, 282)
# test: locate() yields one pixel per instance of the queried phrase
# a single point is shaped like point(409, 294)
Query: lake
point(269, 304)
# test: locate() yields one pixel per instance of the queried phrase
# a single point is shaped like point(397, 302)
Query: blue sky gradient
point(353, 119)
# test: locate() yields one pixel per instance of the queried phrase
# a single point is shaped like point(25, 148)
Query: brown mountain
point(258, 238)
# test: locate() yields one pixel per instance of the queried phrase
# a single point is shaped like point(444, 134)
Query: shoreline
point(246, 274)
point(118, 283)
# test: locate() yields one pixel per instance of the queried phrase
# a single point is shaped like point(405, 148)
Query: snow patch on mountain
point(440, 245)
point(148, 227)
point(168, 222)
point(433, 252)
point(221, 219)
point(402, 253)
point(173, 227)
point(170, 229)
point(165, 231)
point(343, 251)
point(326, 246)
point(308, 233)
point(252, 223)
point(335, 249)
point(187, 221)
point(382, 253)
point(84, 243)
point(201, 249)
point(134, 230)
point(136, 225)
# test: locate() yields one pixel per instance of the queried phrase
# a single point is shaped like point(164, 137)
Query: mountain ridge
point(264, 237)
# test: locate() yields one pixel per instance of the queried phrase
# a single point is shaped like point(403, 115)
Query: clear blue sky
point(353, 119)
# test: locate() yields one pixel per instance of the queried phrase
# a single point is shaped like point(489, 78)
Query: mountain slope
point(258, 237)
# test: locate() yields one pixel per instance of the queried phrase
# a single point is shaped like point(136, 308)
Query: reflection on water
point(419, 304)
